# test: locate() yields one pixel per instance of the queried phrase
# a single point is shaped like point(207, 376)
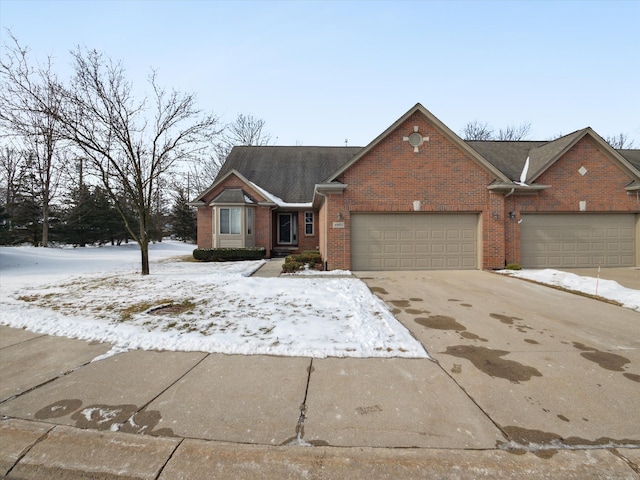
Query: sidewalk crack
point(299, 440)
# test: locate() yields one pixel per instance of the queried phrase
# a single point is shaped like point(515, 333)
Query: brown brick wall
point(205, 238)
point(603, 187)
point(307, 242)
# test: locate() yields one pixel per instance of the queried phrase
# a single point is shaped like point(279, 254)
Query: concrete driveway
point(550, 369)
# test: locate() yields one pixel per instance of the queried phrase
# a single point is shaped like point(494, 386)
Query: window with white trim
point(308, 223)
point(230, 221)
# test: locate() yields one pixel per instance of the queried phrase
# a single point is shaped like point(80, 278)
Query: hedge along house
point(420, 197)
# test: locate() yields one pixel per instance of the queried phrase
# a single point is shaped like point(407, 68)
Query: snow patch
point(608, 289)
point(97, 294)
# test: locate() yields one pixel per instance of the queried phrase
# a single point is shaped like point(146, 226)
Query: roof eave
point(515, 188)
point(323, 189)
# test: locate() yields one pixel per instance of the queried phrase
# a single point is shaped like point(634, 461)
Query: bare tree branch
point(514, 132)
point(477, 131)
point(131, 143)
point(620, 141)
point(29, 105)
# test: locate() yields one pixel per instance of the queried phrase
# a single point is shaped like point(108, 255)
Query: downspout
point(505, 232)
point(271, 210)
point(326, 228)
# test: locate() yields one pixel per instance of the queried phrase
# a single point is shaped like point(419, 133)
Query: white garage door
point(577, 240)
point(413, 241)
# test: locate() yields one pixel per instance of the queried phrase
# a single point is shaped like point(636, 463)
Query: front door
point(286, 229)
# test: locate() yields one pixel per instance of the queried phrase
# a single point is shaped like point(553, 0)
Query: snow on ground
point(608, 289)
point(97, 294)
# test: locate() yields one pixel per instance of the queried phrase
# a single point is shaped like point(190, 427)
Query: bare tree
point(514, 132)
point(12, 163)
point(620, 141)
point(483, 131)
point(131, 143)
point(12, 172)
point(246, 130)
point(477, 131)
point(29, 105)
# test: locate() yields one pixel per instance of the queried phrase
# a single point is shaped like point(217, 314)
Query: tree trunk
point(144, 242)
point(144, 250)
point(45, 224)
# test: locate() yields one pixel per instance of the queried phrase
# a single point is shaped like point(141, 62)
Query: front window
point(230, 221)
point(308, 223)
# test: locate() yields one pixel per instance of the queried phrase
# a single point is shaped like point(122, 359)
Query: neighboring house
point(420, 197)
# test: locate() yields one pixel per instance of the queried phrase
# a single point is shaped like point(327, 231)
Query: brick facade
point(444, 175)
point(440, 175)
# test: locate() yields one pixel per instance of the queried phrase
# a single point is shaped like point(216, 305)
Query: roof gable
point(444, 130)
point(543, 157)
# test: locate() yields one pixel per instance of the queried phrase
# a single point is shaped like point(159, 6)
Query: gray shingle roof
point(631, 156)
point(507, 156)
point(233, 196)
point(510, 156)
point(289, 173)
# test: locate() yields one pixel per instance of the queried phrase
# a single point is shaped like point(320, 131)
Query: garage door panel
point(422, 249)
point(571, 240)
point(438, 263)
point(438, 248)
point(391, 249)
point(453, 248)
point(416, 241)
point(469, 249)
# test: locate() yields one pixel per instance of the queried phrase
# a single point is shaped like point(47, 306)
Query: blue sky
point(322, 72)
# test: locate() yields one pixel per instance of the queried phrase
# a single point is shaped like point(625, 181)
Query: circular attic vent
point(415, 139)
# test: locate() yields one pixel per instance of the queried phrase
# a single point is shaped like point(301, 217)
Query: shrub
point(292, 266)
point(513, 266)
point(296, 262)
point(228, 254)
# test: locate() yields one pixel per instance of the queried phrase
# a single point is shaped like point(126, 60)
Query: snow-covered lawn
point(608, 289)
point(96, 293)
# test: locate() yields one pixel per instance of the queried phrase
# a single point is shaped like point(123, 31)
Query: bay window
point(230, 220)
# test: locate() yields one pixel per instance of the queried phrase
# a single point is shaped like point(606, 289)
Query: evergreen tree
point(77, 218)
point(5, 232)
point(183, 218)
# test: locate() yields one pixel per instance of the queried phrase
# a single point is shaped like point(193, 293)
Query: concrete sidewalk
point(172, 415)
point(271, 268)
point(193, 415)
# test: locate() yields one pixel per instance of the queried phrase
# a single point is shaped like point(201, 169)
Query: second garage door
point(577, 240)
point(414, 241)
